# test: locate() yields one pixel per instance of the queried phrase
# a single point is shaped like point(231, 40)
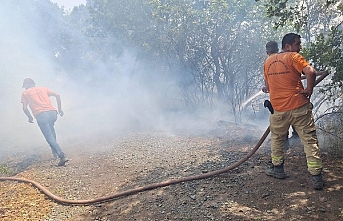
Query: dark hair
point(272, 47)
point(289, 39)
point(28, 82)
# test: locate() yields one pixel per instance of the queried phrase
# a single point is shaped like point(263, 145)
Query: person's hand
point(307, 93)
point(61, 113)
point(30, 120)
point(265, 90)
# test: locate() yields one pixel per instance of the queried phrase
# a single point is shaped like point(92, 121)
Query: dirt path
point(115, 165)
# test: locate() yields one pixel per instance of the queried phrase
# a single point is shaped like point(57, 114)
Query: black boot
point(276, 172)
point(318, 182)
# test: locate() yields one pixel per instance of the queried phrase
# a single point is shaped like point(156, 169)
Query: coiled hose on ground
point(151, 186)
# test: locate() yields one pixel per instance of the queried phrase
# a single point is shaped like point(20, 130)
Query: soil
point(115, 164)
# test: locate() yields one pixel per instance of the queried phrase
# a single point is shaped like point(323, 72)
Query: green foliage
point(214, 42)
point(286, 12)
point(315, 22)
point(3, 169)
point(326, 53)
point(302, 15)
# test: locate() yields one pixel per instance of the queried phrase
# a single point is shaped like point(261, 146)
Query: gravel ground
point(112, 165)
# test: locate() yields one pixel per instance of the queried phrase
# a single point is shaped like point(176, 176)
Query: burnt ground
point(110, 165)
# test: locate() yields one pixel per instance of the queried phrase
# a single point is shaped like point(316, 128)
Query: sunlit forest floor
point(107, 166)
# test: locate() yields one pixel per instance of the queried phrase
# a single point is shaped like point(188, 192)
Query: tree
point(319, 23)
point(219, 43)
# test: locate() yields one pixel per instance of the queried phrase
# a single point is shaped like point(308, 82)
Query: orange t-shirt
point(38, 99)
point(283, 75)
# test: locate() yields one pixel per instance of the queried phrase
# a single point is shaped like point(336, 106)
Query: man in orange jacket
point(38, 99)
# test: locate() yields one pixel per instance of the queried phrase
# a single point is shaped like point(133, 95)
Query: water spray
point(251, 98)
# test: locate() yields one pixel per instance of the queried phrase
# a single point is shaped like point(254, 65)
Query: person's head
point(291, 42)
point(28, 82)
point(272, 47)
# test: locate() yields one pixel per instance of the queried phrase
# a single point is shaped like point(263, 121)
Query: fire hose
point(151, 186)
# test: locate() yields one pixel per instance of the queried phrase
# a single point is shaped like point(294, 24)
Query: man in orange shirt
point(38, 99)
point(292, 106)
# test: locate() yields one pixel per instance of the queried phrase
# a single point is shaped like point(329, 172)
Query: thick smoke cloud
point(132, 98)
